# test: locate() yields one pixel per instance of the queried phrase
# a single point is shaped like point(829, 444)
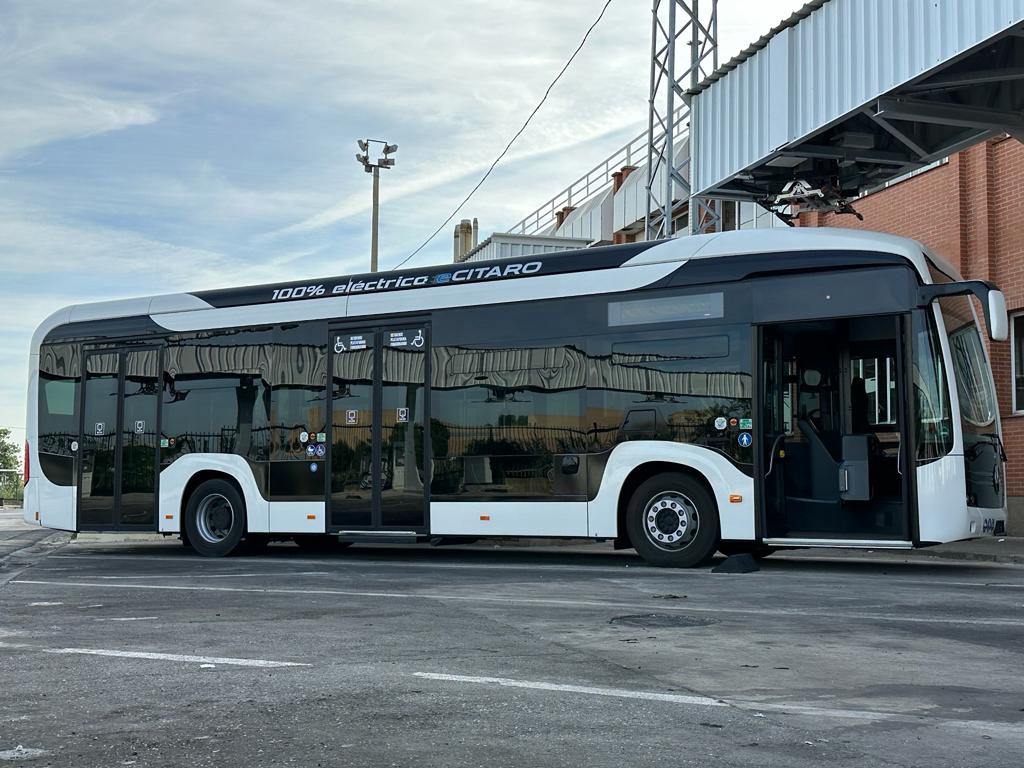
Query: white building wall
point(505, 246)
point(592, 221)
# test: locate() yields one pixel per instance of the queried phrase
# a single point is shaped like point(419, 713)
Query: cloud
point(148, 147)
point(36, 116)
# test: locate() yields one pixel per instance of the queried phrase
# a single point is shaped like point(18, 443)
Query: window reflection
point(500, 417)
point(59, 383)
point(298, 378)
point(215, 395)
point(676, 387)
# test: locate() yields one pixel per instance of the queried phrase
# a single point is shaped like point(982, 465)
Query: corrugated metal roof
point(762, 42)
point(822, 71)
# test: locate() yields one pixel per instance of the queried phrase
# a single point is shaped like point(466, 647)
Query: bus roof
point(561, 273)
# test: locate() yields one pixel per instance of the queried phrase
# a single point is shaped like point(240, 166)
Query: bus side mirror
point(998, 323)
point(992, 301)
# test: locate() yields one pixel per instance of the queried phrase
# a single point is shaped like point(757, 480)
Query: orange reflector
point(485, 517)
point(168, 517)
point(311, 517)
point(37, 515)
point(735, 498)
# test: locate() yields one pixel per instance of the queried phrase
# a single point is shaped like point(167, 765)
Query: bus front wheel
point(672, 521)
point(215, 518)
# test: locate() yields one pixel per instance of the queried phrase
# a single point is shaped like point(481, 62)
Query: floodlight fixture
point(384, 161)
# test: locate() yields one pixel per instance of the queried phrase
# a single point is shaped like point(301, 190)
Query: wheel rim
point(215, 518)
point(671, 521)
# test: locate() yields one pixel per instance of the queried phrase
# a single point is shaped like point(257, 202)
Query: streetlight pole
point(375, 218)
point(383, 161)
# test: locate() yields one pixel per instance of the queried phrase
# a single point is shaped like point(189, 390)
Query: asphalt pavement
point(140, 653)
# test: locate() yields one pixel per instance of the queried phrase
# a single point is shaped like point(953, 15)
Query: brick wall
point(970, 210)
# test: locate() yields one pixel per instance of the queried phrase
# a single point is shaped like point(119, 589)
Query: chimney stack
point(465, 238)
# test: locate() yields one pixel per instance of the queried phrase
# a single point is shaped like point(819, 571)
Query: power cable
point(512, 141)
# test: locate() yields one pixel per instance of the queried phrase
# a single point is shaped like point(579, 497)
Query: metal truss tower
point(695, 23)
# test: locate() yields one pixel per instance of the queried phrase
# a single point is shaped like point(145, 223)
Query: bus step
point(381, 537)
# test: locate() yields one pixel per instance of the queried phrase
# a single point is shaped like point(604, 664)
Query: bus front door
point(118, 443)
point(833, 416)
point(377, 452)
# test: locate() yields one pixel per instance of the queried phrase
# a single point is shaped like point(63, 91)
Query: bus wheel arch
point(213, 513)
point(676, 488)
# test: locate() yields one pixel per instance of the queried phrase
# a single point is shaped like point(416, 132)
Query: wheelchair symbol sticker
point(321, 451)
point(418, 340)
point(744, 440)
point(339, 345)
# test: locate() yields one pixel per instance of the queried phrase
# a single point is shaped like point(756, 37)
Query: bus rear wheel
point(215, 518)
point(672, 521)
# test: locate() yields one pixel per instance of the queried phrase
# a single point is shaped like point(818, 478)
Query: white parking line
point(631, 567)
point(126, 618)
point(213, 575)
point(541, 601)
point(675, 698)
point(155, 656)
point(627, 565)
point(751, 707)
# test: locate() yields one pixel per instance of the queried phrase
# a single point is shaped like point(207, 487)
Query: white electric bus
point(740, 391)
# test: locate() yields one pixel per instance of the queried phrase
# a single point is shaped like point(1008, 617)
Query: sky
point(155, 146)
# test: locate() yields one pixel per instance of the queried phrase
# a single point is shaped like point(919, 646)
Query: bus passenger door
point(833, 420)
point(118, 440)
point(378, 453)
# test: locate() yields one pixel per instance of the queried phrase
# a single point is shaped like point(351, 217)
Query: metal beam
point(920, 111)
point(682, 23)
point(901, 136)
point(945, 82)
point(824, 152)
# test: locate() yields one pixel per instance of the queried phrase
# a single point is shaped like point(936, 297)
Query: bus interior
point(833, 414)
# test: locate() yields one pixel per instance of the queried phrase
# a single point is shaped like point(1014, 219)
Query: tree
point(10, 453)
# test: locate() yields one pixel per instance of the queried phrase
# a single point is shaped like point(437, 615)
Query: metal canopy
point(847, 94)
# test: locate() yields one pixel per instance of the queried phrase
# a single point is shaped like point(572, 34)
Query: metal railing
point(593, 182)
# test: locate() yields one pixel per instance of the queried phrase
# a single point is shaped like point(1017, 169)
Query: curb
point(975, 557)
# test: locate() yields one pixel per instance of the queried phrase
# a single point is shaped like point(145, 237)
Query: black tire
point(215, 518)
point(684, 516)
point(756, 551)
point(320, 542)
